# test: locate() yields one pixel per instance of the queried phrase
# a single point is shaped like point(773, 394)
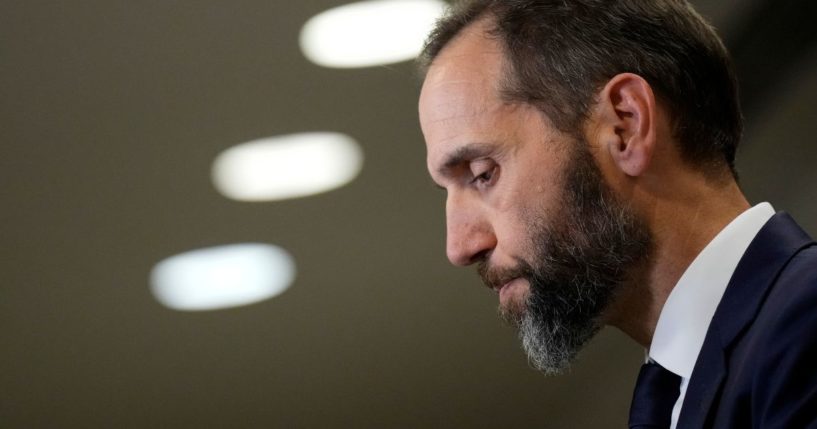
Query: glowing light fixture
point(288, 166)
point(222, 277)
point(369, 33)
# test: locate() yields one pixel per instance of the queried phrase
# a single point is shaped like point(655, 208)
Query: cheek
point(542, 210)
point(514, 229)
point(529, 201)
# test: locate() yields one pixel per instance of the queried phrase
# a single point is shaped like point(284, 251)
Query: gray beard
point(583, 260)
point(548, 350)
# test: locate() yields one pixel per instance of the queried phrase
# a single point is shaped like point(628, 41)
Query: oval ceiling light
point(369, 33)
point(288, 166)
point(222, 277)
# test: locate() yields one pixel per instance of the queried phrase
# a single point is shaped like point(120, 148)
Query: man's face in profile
point(526, 203)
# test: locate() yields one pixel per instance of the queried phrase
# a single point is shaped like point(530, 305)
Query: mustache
point(495, 277)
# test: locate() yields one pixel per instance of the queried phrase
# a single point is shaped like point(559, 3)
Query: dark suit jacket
point(758, 364)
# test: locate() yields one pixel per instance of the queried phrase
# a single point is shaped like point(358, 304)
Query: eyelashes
point(485, 173)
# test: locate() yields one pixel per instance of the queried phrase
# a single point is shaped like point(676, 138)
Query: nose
point(469, 235)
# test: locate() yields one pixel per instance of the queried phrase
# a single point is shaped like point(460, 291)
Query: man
point(587, 150)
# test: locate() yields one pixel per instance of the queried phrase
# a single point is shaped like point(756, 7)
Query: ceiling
point(112, 113)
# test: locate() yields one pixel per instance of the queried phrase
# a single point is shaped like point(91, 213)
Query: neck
point(683, 219)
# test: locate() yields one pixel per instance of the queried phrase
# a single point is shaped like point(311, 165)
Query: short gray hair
point(561, 52)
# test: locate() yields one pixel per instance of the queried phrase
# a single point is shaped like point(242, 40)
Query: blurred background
point(111, 116)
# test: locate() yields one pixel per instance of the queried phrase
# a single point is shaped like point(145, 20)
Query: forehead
point(468, 66)
point(460, 95)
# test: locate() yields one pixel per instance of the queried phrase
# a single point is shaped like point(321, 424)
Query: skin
point(498, 161)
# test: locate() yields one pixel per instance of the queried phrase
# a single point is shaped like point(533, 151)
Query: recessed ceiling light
point(288, 166)
point(222, 277)
point(369, 33)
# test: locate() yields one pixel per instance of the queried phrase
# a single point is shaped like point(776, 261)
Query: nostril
point(467, 255)
point(480, 256)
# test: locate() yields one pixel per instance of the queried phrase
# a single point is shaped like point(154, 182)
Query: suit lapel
point(705, 383)
point(768, 253)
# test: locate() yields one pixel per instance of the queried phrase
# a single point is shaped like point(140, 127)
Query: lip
point(498, 289)
point(506, 289)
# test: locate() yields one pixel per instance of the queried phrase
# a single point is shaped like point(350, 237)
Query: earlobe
point(626, 123)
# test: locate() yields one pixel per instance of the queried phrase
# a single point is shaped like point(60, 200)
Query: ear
point(626, 122)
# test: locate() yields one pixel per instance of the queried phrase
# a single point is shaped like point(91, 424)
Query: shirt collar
point(685, 317)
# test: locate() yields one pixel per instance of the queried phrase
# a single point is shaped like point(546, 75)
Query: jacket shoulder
point(773, 377)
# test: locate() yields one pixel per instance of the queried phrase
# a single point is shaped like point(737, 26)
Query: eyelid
point(477, 173)
point(479, 166)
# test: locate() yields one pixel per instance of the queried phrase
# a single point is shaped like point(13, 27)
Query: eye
point(484, 173)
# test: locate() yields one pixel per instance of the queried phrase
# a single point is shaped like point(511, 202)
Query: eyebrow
point(463, 154)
